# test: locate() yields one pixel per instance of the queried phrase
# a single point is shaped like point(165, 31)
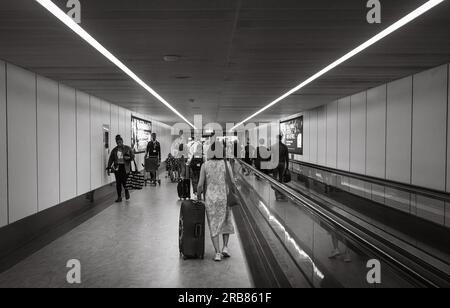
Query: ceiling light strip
point(408, 18)
point(58, 13)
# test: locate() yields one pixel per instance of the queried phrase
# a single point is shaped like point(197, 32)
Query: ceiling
point(236, 55)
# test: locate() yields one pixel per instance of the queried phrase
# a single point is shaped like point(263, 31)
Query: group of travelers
point(204, 163)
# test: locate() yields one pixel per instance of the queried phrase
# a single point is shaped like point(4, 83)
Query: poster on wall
point(292, 131)
point(141, 131)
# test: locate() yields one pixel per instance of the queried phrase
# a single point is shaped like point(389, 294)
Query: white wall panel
point(3, 149)
point(47, 143)
point(430, 128)
point(306, 130)
point(114, 131)
point(122, 120)
point(83, 144)
point(96, 143)
point(376, 132)
point(448, 129)
point(313, 136)
point(332, 110)
point(321, 135)
point(106, 120)
point(398, 135)
point(22, 153)
point(127, 134)
point(343, 144)
point(68, 143)
point(114, 124)
point(358, 133)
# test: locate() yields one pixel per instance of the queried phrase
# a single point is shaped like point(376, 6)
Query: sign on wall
point(141, 131)
point(292, 131)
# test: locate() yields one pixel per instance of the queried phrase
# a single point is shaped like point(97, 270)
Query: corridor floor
point(132, 244)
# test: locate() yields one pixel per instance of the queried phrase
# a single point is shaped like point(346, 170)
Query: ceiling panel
point(235, 56)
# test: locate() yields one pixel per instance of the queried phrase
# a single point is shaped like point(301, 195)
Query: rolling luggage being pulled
point(192, 229)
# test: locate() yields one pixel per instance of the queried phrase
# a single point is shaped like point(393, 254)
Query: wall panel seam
point(350, 137)
point(385, 133)
point(7, 143)
point(446, 136)
point(412, 131)
point(76, 142)
point(365, 139)
point(90, 144)
point(59, 142)
point(37, 141)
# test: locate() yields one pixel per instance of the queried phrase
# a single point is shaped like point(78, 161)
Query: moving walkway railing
point(328, 249)
point(407, 198)
point(416, 219)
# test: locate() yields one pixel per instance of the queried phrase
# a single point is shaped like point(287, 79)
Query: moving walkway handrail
point(343, 225)
point(435, 194)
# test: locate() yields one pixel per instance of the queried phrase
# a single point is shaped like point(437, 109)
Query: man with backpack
point(195, 161)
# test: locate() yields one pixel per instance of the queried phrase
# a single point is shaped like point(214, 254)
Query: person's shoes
point(118, 200)
point(127, 195)
point(334, 254)
point(225, 253)
point(218, 257)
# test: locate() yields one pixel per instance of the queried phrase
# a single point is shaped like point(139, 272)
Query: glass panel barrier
point(415, 217)
point(328, 254)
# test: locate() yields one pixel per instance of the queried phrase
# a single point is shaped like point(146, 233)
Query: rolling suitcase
point(192, 229)
point(184, 189)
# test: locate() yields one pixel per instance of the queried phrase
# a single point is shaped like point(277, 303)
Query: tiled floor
point(133, 244)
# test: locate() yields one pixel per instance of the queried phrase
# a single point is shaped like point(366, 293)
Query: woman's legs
point(216, 244)
point(225, 252)
point(226, 237)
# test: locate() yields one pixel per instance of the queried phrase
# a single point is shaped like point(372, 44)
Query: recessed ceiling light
point(58, 13)
point(408, 18)
point(171, 58)
point(182, 77)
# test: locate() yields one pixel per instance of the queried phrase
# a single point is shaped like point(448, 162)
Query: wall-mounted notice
point(292, 131)
point(141, 131)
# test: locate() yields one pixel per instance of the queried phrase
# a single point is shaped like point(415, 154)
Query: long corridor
point(131, 244)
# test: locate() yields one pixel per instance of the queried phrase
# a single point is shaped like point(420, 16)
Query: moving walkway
point(316, 242)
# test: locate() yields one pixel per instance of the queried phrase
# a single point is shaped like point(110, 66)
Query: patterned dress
point(217, 211)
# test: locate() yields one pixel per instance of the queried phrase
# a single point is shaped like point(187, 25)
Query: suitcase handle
point(198, 230)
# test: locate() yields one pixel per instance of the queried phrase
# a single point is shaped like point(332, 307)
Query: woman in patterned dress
point(212, 182)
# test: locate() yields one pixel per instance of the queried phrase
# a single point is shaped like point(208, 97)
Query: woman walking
point(212, 183)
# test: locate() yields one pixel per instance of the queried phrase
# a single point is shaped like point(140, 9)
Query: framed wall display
point(141, 131)
point(292, 131)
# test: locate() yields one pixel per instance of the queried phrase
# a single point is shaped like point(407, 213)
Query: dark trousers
point(195, 177)
point(278, 173)
point(153, 173)
point(121, 179)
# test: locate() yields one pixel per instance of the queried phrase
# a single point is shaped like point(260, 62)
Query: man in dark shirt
point(154, 151)
point(248, 155)
point(283, 165)
point(120, 162)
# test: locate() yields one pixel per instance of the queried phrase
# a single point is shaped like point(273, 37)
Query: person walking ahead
point(212, 175)
point(154, 151)
point(120, 162)
point(283, 165)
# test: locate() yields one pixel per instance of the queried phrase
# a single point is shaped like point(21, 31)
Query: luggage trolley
point(151, 167)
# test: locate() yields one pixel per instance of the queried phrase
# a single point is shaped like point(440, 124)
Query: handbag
point(135, 180)
point(287, 176)
point(232, 198)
